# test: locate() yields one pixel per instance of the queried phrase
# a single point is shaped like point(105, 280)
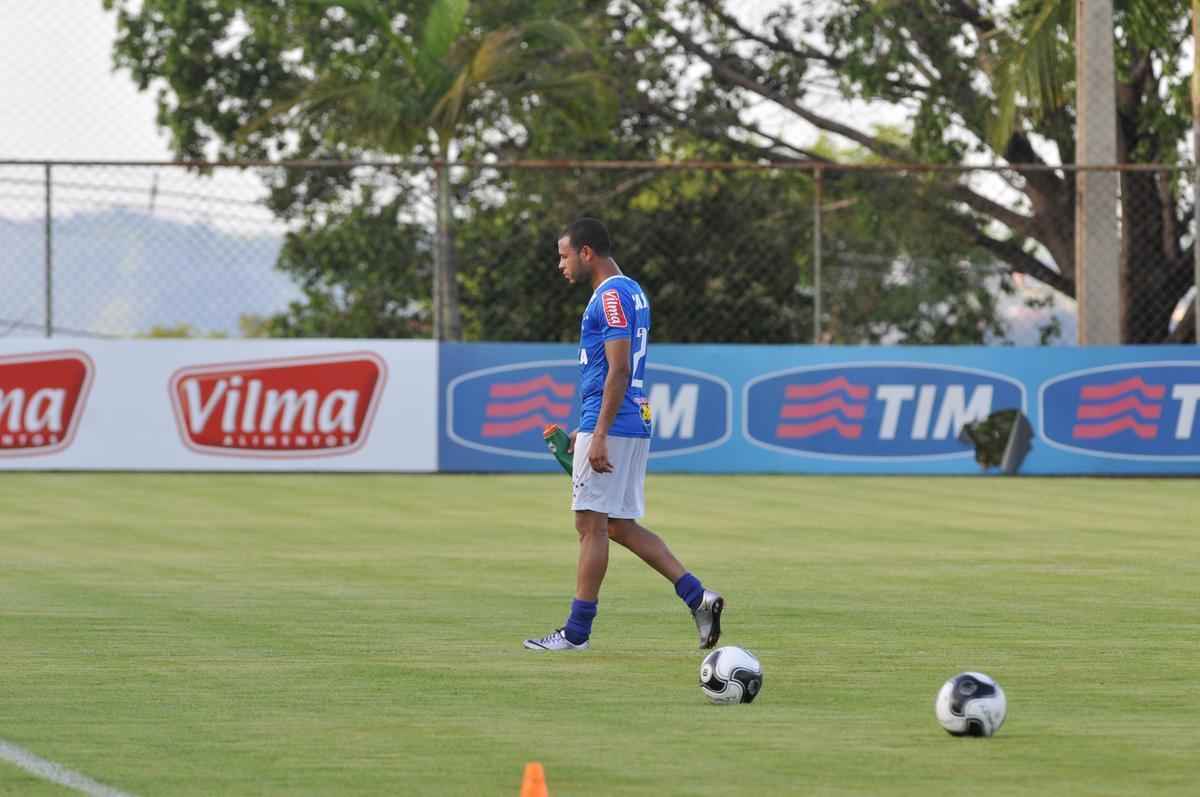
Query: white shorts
point(619, 494)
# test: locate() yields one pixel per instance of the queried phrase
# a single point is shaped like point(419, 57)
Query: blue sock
point(690, 590)
point(579, 624)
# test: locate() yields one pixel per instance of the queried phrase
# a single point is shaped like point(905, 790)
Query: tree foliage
point(724, 255)
point(364, 271)
point(974, 80)
point(322, 79)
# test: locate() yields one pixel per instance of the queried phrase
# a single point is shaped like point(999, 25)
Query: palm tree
point(424, 92)
point(1034, 63)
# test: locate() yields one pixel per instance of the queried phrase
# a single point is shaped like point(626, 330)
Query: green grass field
point(190, 634)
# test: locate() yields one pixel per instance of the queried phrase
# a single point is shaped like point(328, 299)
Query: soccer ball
point(731, 675)
point(971, 704)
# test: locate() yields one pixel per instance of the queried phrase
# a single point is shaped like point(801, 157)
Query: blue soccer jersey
point(618, 309)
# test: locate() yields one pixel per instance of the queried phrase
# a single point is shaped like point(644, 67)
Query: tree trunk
point(447, 321)
point(1152, 278)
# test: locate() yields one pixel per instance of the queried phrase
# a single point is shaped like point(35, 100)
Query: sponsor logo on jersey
point(287, 408)
point(1137, 411)
point(42, 398)
point(503, 410)
point(614, 314)
point(873, 410)
point(645, 411)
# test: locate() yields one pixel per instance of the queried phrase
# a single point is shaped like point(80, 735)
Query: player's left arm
point(616, 351)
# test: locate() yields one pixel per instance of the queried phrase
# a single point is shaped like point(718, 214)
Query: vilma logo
point(503, 410)
point(1137, 411)
point(293, 407)
point(873, 410)
point(42, 399)
point(613, 312)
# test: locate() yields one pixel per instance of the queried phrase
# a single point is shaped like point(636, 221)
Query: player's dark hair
point(589, 232)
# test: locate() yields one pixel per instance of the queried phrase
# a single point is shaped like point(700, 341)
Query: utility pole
point(818, 198)
point(1097, 234)
point(49, 234)
point(1196, 161)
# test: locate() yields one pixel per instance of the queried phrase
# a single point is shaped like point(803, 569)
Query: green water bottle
point(558, 442)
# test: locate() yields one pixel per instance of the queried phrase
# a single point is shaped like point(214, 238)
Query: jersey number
point(639, 355)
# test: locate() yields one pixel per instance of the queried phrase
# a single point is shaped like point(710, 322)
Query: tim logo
point(692, 410)
point(873, 410)
point(515, 408)
point(293, 407)
point(1137, 411)
point(42, 397)
point(503, 410)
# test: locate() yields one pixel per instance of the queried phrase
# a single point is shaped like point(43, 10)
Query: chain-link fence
point(116, 251)
point(727, 252)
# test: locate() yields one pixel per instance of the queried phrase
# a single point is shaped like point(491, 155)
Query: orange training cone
point(534, 782)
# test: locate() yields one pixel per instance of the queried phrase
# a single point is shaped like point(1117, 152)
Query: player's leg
point(647, 546)
point(589, 574)
point(705, 605)
point(593, 494)
point(593, 554)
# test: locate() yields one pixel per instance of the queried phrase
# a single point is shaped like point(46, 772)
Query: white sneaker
point(555, 641)
point(708, 618)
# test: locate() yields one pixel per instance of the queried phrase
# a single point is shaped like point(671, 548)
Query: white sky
point(59, 97)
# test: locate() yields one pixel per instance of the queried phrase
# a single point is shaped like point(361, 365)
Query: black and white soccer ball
point(731, 675)
point(971, 704)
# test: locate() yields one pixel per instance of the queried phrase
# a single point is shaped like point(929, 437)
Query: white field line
point(55, 773)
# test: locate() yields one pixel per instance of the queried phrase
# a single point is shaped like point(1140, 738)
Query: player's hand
point(571, 445)
point(598, 454)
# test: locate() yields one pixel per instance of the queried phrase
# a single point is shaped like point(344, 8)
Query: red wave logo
point(42, 397)
point(792, 431)
point(514, 428)
point(516, 389)
point(1100, 411)
point(291, 407)
point(820, 401)
point(856, 411)
point(1103, 430)
point(557, 409)
point(1110, 391)
point(858, 392)
point(1111, 405)
point(527, 410)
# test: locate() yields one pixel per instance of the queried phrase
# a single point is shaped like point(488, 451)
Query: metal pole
point(49, 254)
point(1098, 278)
point(818, 183)
point(1196, 162)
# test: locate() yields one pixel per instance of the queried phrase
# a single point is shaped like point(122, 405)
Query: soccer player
point(612, 442)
